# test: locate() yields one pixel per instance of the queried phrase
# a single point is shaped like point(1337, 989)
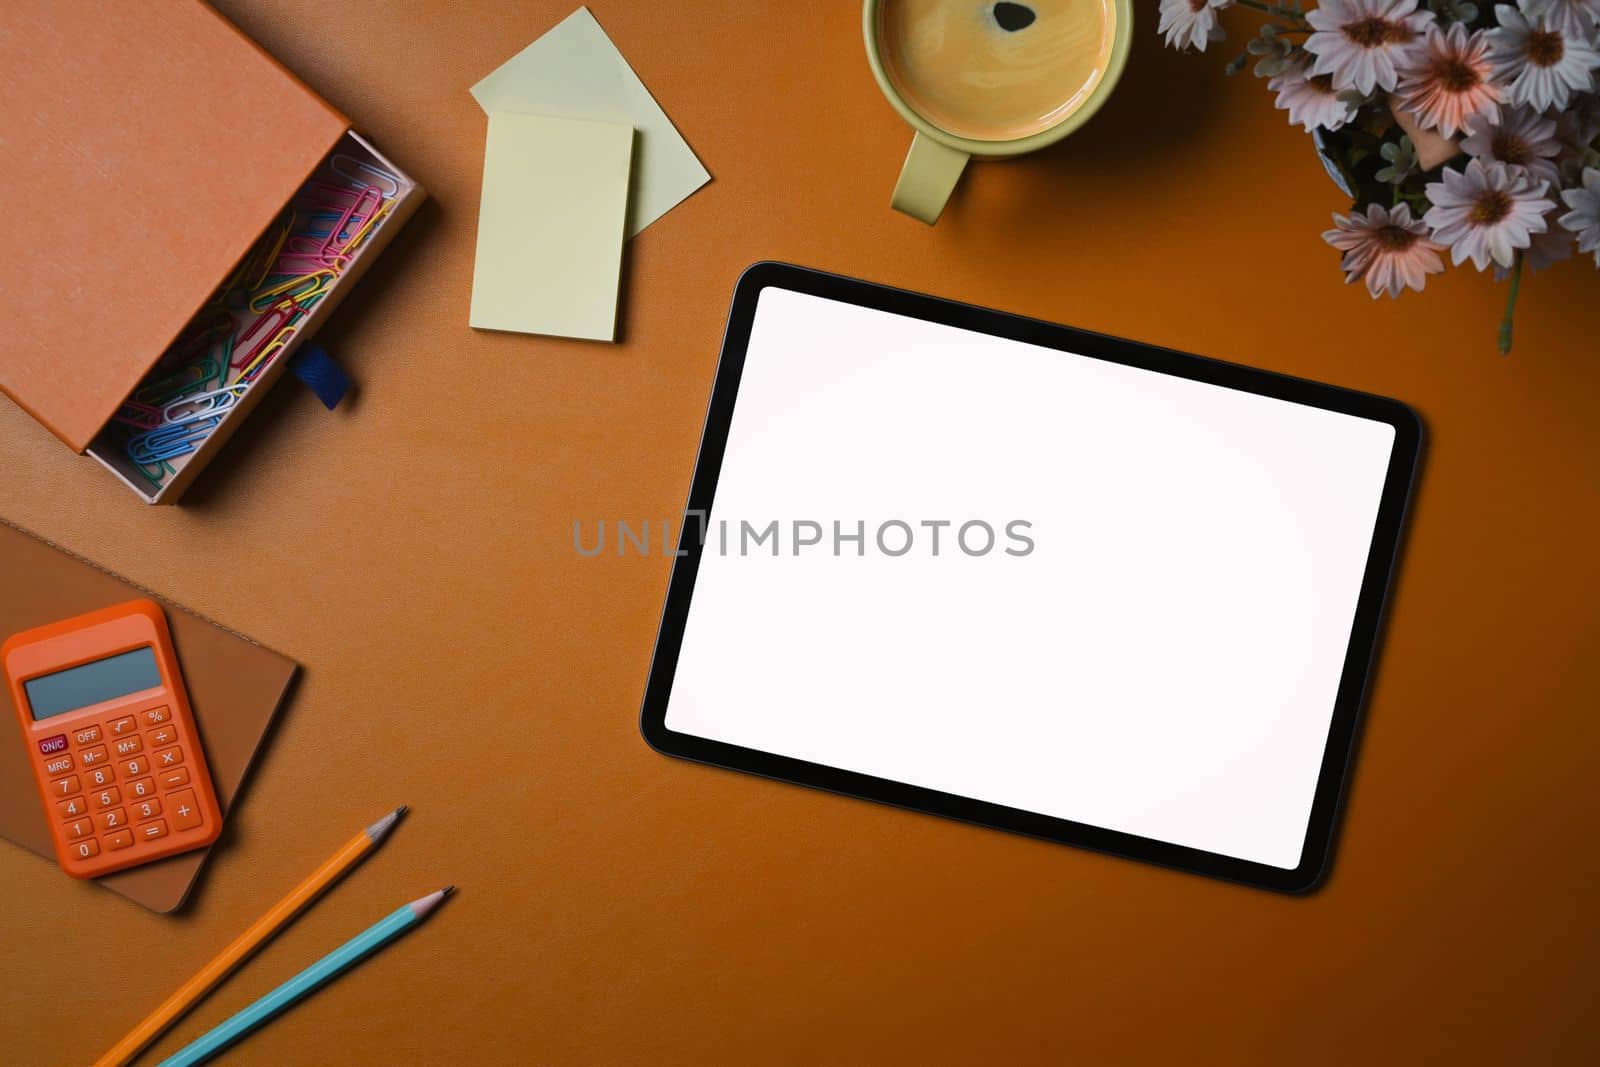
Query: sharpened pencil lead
point(380, 828)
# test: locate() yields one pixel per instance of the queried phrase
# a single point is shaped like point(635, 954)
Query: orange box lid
point(143, 149)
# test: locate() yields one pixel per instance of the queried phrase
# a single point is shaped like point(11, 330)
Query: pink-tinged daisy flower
point(1572, 17)
point(1364, 43)
point(1388, 249)
point(1310, 99)
point(1487, 212)
point(1584, 218)
point(1522, 138)
point(1191, 23)
point(1447, 80)
point(1541, 65)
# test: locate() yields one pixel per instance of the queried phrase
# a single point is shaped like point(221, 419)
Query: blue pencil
point(307, 981)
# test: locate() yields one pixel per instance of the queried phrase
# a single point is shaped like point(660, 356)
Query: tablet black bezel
point(1359, 653)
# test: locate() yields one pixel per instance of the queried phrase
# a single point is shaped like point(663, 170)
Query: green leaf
point(1271, 66)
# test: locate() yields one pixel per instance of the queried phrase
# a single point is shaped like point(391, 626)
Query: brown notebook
point(235, 689)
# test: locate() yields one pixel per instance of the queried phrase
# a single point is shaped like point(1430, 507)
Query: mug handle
point(927, 179)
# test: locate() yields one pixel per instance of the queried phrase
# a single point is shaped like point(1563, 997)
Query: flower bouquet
point(1452, 128)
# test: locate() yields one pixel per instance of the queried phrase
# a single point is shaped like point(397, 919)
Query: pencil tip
point(379, 829)
point(422, 906)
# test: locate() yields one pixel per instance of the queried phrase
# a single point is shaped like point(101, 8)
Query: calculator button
point(155, 715)
point(151, 830)
point(59, 765)
point(51, 745)
point(65, 787)
point(121, 727)
point(174, 778)
point(86, 848)
point(169, 757)
point(127, 746)
point(108, 798)
point(86, 736)
point(71, 809)
point(90, 757)
point(184, 810)
point(164, 735)
point(147, 809)
point(120, 839)
point(101, 776)
point(111, 820)
point(144, 787)
point(137, 767)
point(79, 828)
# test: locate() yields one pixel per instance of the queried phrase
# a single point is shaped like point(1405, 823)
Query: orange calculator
point(111, 739)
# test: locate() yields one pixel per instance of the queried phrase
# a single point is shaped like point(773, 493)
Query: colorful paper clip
point(142, 416)
point(299, 288)
point(260, 333)
point(172, 440)
point(181, 382)
point(254, 316)
point(208, 403)
point(390, 184)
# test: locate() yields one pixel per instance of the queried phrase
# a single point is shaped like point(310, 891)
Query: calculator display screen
point(90, 683)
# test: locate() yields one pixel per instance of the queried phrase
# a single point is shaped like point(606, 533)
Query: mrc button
point(51, 745)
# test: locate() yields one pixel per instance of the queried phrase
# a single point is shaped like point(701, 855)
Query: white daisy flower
point(1573, 17)
point(1487, 212)
point(1389, 250)
point(1541, 65)
point(1364, 43)
point(1310, 99)
point(1584, 218)
point(1191, 23)
point(1522, 138)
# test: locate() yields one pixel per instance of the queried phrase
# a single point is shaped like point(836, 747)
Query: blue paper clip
point(172, 440)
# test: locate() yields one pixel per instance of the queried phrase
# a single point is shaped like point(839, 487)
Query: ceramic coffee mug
point(987, 79)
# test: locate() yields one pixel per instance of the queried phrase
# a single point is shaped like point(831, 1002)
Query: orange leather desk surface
point(414, 553)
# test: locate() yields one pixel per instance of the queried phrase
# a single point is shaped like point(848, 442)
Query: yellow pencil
point(276, 918)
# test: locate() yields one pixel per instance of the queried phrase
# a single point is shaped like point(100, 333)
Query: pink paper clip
point(326, 194)
point(305, 255)
point(276, 318)
point(139, 415)
point(332, 244)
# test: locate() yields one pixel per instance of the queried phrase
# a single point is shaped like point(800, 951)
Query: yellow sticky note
point(576, 72)
point(555, 199)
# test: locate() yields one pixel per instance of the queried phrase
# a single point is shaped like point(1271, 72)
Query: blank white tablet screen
point(1163, 661)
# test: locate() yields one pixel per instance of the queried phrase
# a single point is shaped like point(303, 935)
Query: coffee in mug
point(978, 77)
point(996, 71)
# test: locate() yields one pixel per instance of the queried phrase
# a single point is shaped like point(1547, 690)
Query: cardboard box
point(144, 150)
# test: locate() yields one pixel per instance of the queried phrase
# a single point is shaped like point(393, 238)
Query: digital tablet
point(1030, 577)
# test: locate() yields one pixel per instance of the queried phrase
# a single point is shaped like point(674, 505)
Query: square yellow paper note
point(550, 226)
